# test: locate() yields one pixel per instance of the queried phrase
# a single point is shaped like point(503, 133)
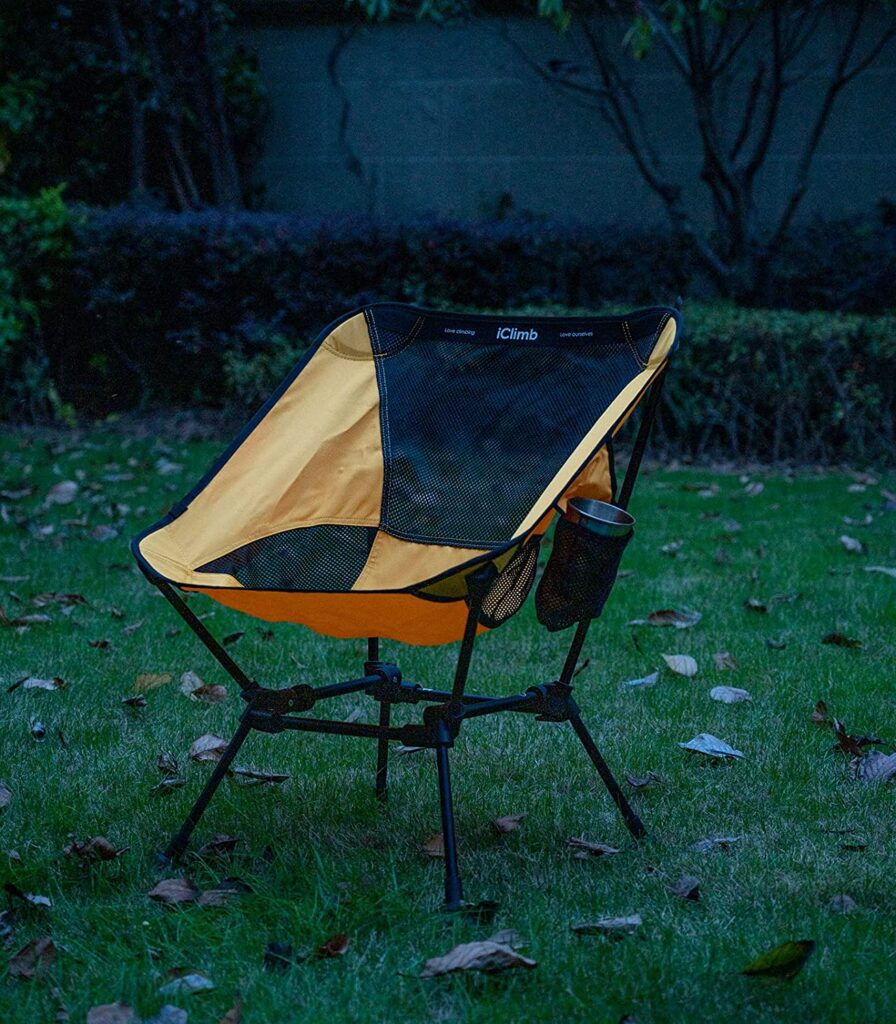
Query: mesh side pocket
point(579, 575)
point(511, 587)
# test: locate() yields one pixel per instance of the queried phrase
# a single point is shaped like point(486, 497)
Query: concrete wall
point(405, 118)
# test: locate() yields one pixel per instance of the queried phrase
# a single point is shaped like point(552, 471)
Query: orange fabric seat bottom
point(402, 617)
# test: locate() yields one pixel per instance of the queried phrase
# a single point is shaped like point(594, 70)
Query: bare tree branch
point(841, 77)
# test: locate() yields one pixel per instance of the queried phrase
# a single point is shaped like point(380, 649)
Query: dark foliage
point(153, 308)
point(148, 98)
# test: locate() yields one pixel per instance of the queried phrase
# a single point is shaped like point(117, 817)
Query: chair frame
point(280, 710)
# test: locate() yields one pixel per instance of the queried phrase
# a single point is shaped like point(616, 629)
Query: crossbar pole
point(262, 719)
point(349, 686)
point(487, 707)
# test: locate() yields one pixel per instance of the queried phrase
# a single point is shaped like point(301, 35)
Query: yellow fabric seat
point(407, 448)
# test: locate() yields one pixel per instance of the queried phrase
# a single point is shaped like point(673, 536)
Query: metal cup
point(600, 517)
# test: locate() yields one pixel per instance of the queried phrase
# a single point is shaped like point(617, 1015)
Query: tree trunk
point(132, 95)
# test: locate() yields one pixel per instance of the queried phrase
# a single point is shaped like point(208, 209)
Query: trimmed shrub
point(148, 308)
point(35, 251)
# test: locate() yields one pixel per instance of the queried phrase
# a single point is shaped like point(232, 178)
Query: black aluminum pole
point(647, 418)
point(382, 754)
point(179, 843)
point(632, 821)
point(453, 889)
point(575, 649)
point(217, 651)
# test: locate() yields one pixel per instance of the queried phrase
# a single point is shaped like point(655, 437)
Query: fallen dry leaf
point(167, 786)
point(819, 715)
point(112, 1013)
point(30, 898)
point(886, 570)
point(876, 768)
point(681, 664)
point(53, 597)
point(5, 795)
point(489, 957)
point(508, 937)
point(672, 548)
point(336, 945)
point(842, 904)
point(509, 823)
point(753, 604)
point(33, 683)
point(686, 888)
point(839, 640)
point(196, 689)
point(134, 702)
point(711, 746)
point(675, 617)
point(784, 961)
point(711, 843)
point(212, 693)
point(250, 777)
point(190, 681)
point(724, 661)
point(584, 848)
point(32, 960)
point(234, 1015)
point(754, 489)
point(614, 927)
point(207, 748)
point(278, 956)
point(866, 521)
point(845, 742)
point(641, 781)
point(729, 694)
point(434, 846)
point(63, 493)
point(168, 1015)
point(851, 545)
point(151, 681)
point(186, 981)
point(644, 681)
point(132, 629)
point(218, 846)
point(97, 848)
point(174, 891)
point(222, 893)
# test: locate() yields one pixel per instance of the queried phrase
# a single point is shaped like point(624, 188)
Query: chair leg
point(179, 843)
point(453, 890)
point(382, 754)
point(632, 821)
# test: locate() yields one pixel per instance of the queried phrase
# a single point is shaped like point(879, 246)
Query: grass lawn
point(323, 859)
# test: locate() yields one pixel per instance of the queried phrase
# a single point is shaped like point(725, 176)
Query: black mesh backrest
point(479, 415)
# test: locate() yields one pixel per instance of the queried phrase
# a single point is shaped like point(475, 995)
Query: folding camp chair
point(398, 484)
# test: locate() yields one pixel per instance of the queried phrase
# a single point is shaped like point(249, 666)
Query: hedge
point(129, 307)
